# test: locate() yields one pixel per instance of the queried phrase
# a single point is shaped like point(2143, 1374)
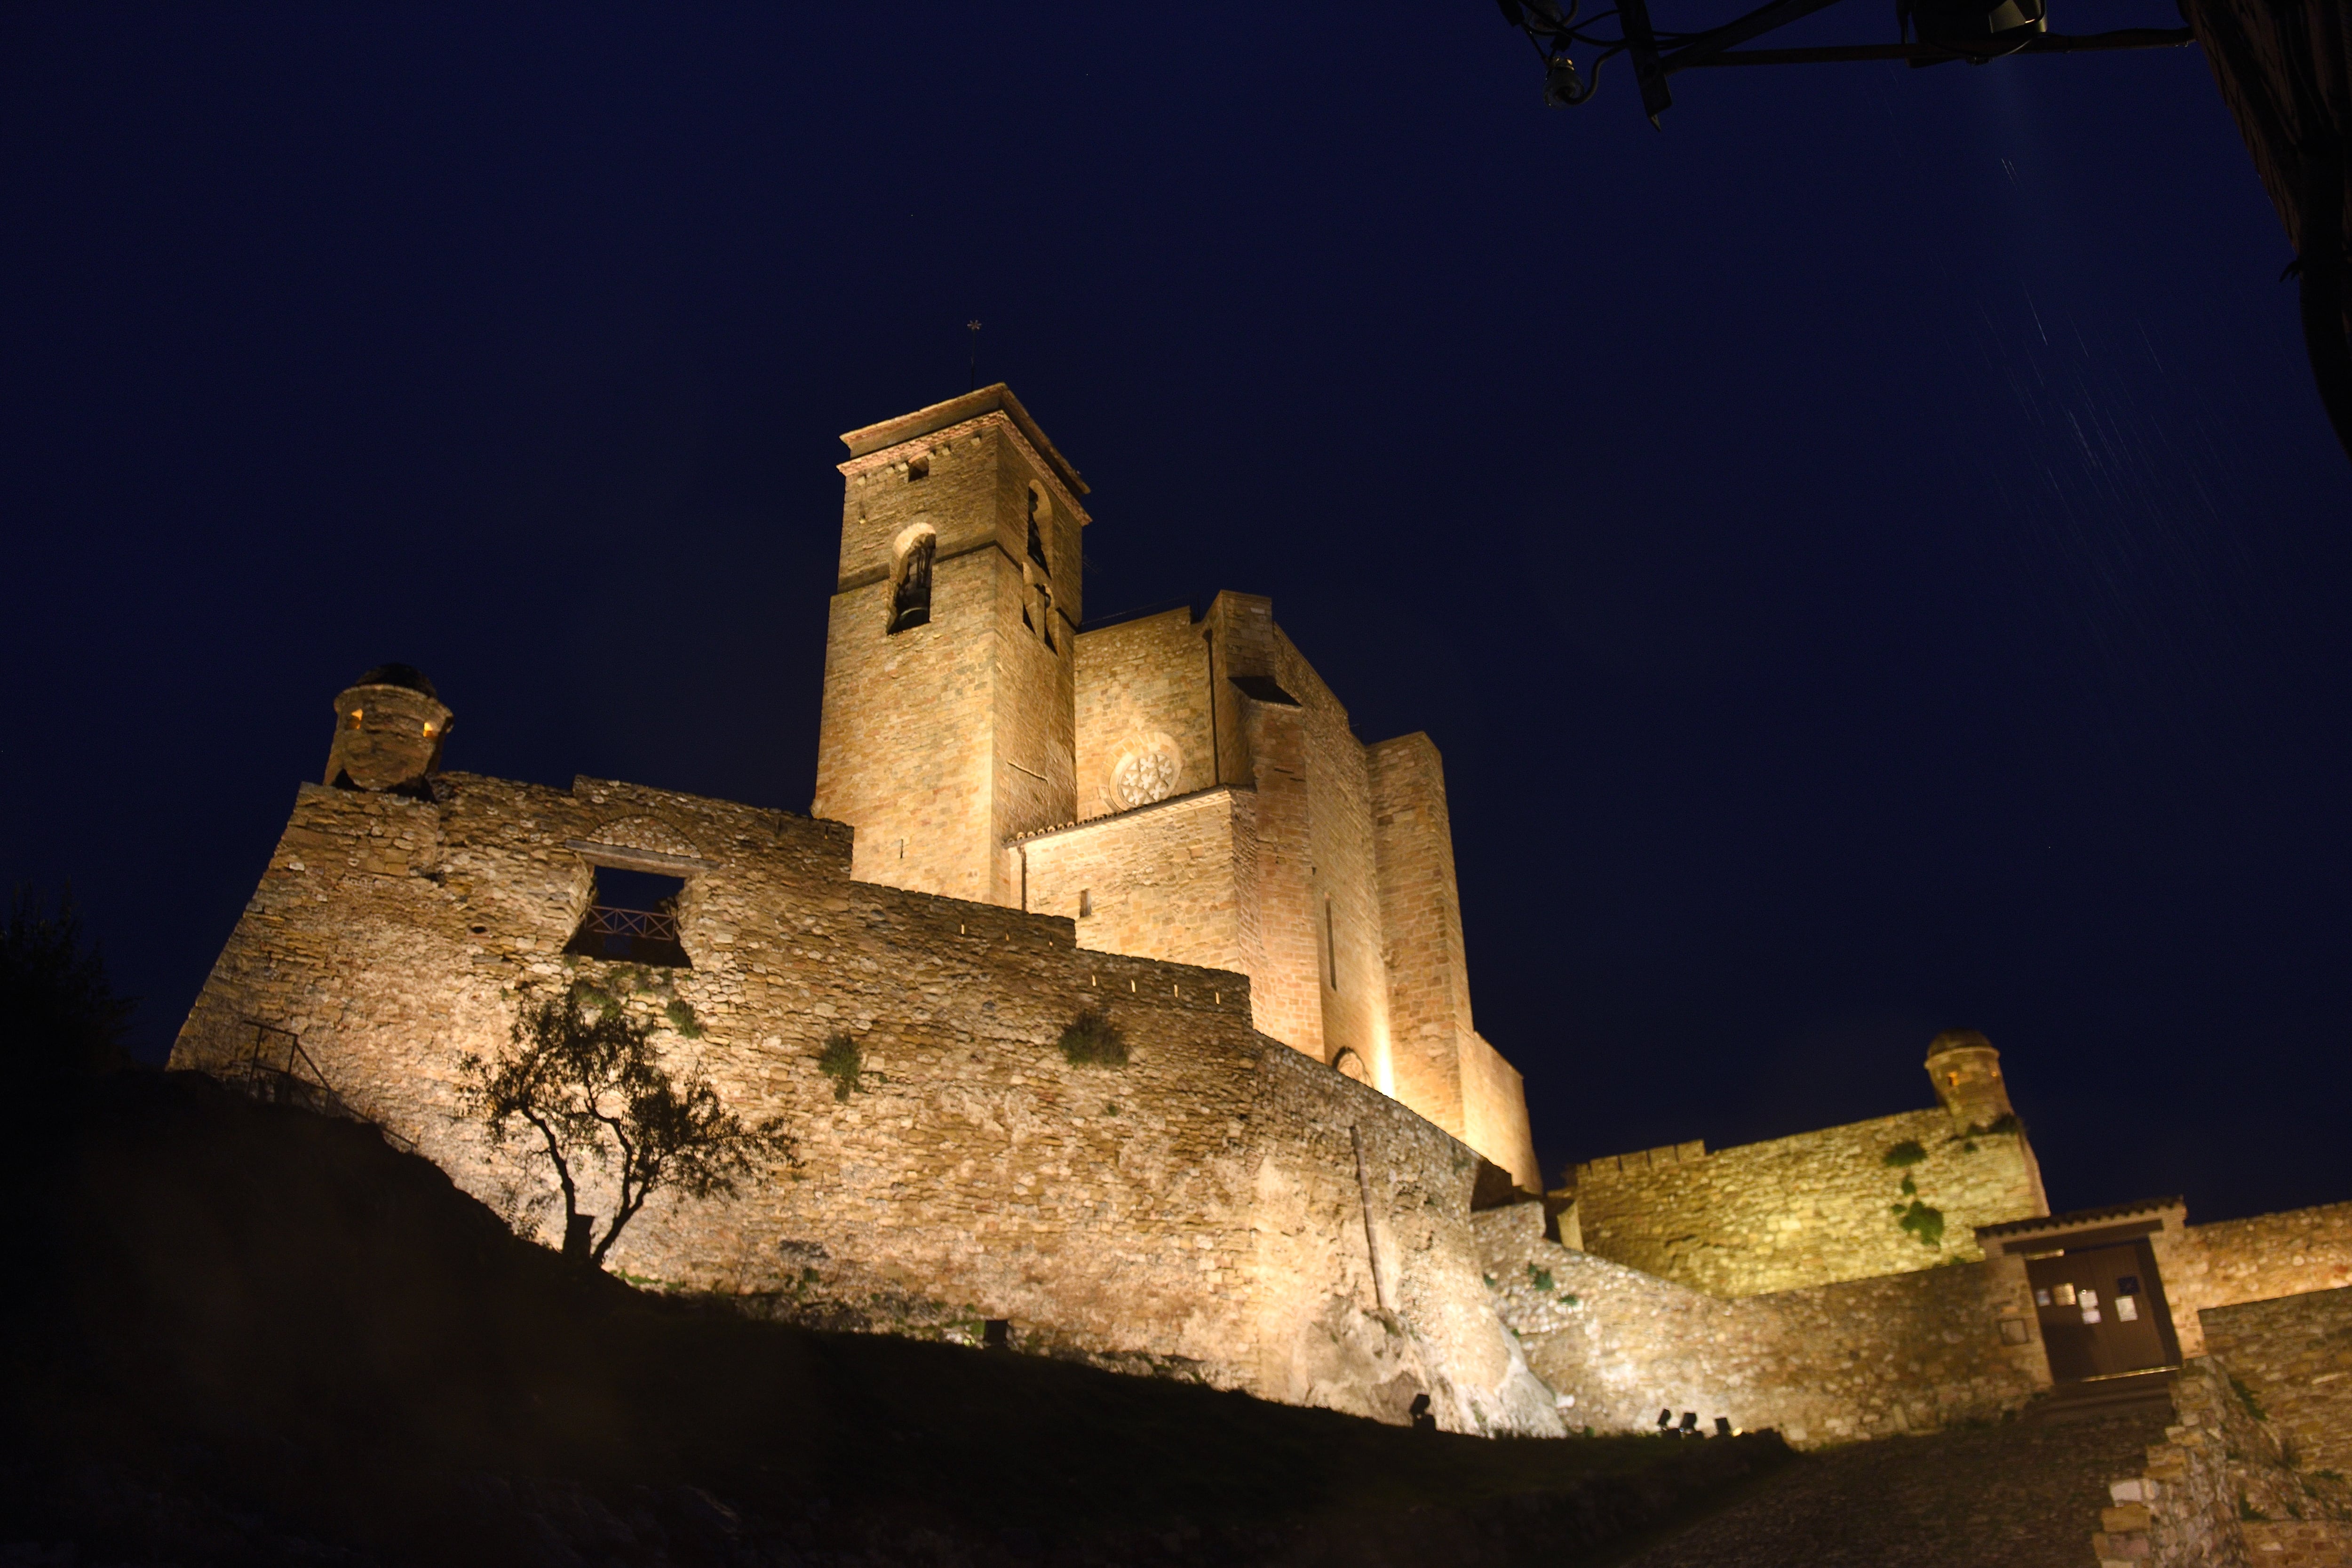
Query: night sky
point(1869, 552)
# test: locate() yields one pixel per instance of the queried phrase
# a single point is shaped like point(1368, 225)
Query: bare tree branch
point(586, 1076)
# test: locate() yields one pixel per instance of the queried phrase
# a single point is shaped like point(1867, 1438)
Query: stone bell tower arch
point(950, 713)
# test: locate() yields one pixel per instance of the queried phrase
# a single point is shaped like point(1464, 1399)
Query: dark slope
point(245, 1333)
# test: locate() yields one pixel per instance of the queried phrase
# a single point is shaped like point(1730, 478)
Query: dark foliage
point(1093, 1040)
point(61, 1021)
point(843, 1062)
point(1924, 1222)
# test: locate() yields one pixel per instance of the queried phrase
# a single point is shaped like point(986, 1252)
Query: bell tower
point(949, 709)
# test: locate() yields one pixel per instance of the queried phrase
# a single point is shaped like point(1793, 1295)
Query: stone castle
point(1181, 790)
point(1313, 1178)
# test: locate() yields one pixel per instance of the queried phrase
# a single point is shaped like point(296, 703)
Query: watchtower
point(1967, 1073)
point(389, 728)
point(950, 714)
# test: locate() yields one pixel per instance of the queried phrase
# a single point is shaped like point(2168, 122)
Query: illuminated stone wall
point(1833, 1363)
point(1163, 881)
point(2294, 1355)
point(2288, 1254)
point(1144, 718)
point(1809, 1209)
point(1232, 816)
point(1421, 922)
point(1220, 1206)
point(941, 741)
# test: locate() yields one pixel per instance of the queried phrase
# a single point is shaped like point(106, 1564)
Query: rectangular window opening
point(1085, 902)
point(632, 919)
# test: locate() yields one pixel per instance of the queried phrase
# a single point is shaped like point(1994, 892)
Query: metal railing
point(652, 924)
point(299, 1083)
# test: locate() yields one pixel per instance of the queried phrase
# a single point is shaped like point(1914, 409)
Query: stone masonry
point(1170, 821)
point(1221, 1205)
point(1832, 1363)
point(1803, 1210)
point(983, 747)
point(2294, 1355)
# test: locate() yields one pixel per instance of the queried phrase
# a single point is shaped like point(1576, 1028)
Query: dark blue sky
point(1869, 552)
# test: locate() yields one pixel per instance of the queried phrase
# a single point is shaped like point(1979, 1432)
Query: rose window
point(1145, 777)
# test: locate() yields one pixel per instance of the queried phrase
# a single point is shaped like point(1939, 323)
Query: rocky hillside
point(243, 1333)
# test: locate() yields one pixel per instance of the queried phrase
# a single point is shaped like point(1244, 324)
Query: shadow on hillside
point(246, 1334)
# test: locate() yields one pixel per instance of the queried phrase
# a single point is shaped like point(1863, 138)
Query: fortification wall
point(1143, 694)
point(2287, 1254)
point(1216, 1205)
point(2294, 1354)
point(1833, 1363)
point(1805, 1210)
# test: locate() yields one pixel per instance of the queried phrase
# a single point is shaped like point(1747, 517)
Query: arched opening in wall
point(1041, 512)
point(1350, 1065)
point(910, 577)
point(632, 919)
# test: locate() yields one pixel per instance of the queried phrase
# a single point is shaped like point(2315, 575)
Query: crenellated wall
point(1221, 1205)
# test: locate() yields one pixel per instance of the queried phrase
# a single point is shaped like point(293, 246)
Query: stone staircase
point(2145, 1393)
point(2024, 1494)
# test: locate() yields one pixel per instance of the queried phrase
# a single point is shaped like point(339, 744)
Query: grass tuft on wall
point(1093, 1040)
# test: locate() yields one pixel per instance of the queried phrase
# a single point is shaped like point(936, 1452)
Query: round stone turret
point(389, 726)
point(1967, 1071)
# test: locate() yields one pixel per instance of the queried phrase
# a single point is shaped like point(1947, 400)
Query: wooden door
point(2102, 1312)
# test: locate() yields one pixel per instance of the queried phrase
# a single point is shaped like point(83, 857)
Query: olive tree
point(583, 1080)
